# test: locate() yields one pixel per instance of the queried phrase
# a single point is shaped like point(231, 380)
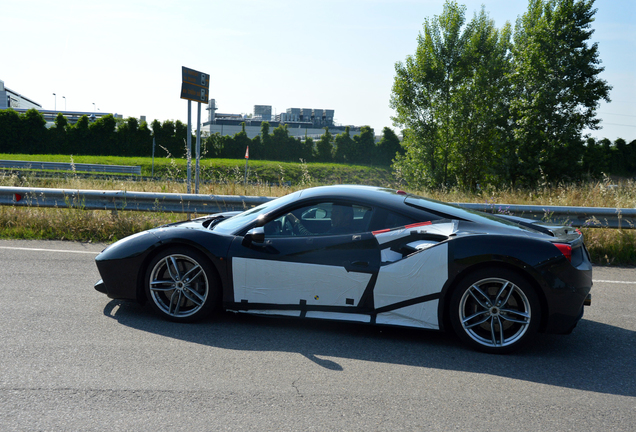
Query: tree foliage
point(557, 88)
point(324, 147)
point(447, 96)
point(480, 104)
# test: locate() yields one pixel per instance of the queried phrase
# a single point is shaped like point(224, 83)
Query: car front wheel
point(495, 311)
point(182, 285)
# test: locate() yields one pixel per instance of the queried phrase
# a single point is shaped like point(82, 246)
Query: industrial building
point(12, 99)
point(21, 104)
point(301, 122)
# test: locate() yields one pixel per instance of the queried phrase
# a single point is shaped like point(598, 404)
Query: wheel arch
point(531, 276)
point(141, 272)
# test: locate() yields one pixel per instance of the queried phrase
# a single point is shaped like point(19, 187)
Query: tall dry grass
point(606, 246)
point(604, 193)
point(77, 224)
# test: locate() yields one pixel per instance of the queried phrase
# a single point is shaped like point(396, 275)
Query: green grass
point(233, 170)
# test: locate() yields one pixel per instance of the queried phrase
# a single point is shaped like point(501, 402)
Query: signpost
point(195, 86)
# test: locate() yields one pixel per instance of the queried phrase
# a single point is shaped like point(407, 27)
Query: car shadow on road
point(595, 357)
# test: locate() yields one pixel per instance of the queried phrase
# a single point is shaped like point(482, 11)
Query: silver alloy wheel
point(179, 286)
point(495, 312)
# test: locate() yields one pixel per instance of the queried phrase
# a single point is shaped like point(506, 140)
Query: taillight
point(565, 249)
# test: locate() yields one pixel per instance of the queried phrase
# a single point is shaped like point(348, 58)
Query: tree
point(448, 99)
point(557, 87)
point(235, 148)
point(480, 105)
point(618, 157)
point(10, 131)
point(171, 136)
point(324, 147)
point(261, 149)
point(103, 138)
point(79, 136)
point(307, 149)
point(164, 136)
point(364, 149)
point(213, 145)
point(594, 161)
point(143, 143)
point(421, 97)
point(345, 147)
point(388, 147)
point(630, 158)
point(126, 141)
point(180, 139)
point(33, 132)
point(284, 147)
point(58, 137)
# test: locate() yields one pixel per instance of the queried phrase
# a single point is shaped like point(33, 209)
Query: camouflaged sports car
point(364, 254)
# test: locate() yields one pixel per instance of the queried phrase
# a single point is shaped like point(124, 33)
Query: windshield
point(241, 220)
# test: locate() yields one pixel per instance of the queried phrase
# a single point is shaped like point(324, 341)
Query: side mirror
point(255, 235)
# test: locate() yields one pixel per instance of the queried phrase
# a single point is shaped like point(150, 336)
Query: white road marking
point(48, 250)
point(611, 281)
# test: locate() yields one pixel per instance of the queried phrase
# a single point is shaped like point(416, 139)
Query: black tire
point(495, 311)
point(182, 285)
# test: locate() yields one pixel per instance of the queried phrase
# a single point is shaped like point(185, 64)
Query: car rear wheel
point(182, 285)
point(495, 311)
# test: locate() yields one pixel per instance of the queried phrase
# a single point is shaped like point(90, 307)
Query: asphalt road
point(72, 359)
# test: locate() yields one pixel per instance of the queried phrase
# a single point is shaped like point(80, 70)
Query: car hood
point(204, 222)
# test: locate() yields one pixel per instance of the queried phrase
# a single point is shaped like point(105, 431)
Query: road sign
point(190, 76)
point(194, 93)
point(194, 87)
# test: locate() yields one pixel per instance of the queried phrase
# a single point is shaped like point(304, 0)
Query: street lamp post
point(55, 102)
point(64, 97)
point(93, 106)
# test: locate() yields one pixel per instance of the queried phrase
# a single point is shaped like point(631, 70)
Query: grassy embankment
point(221, 171)
point(224, 177)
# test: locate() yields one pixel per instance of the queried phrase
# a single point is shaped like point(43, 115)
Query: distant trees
point(480, 104)
point(280, 145)
point(27, 133)
point(10, 131)
point(170, 135)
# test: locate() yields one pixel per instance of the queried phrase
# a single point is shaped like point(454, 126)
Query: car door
point(317, 270)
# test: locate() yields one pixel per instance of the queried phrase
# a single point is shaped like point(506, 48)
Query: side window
point(325, 218)
point(396, 220)
point(386, 219)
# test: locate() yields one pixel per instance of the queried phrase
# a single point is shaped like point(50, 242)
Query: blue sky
point(126, 56)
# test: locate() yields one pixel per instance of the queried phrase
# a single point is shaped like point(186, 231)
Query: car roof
point(369, 194)
point(404, 202)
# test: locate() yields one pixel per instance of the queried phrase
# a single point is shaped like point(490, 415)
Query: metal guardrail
point(205, 204)
point(111, 169)
point(575, 216)
point(124, 200)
